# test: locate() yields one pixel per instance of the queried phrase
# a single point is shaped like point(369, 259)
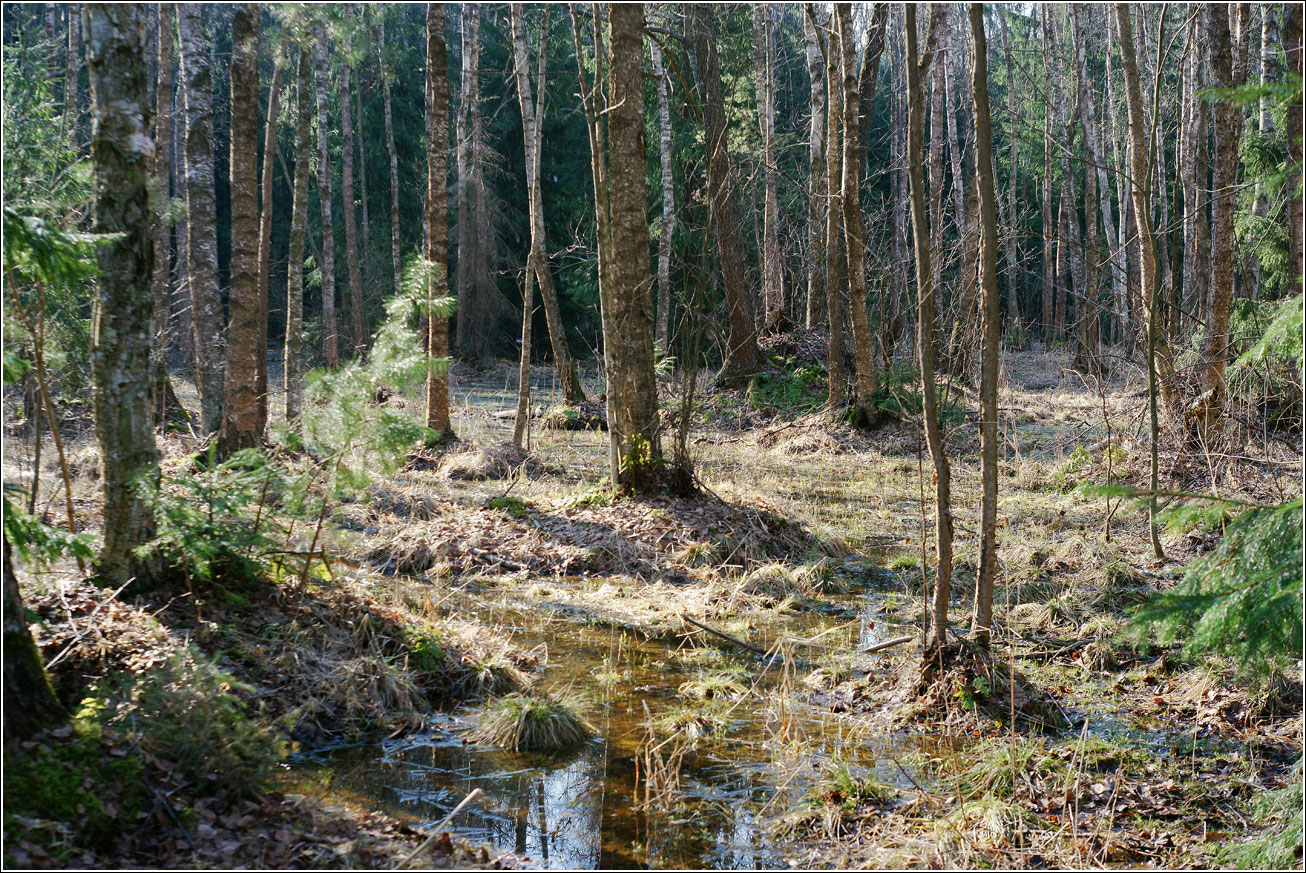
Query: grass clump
point(530, 723)
point(714, 685)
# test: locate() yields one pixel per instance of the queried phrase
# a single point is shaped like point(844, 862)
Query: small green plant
point(795, 391)
point(1069, 476)
point(515, 506)
point(425, 653)
point(842, 787)
point(188, 712)
point(216, 523)
point(530, 723)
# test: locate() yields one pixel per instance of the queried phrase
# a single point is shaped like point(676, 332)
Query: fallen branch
point(439, 829)
point(726, 637)
point(888, 644)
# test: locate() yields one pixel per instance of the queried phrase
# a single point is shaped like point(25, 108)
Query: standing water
point(586, 809)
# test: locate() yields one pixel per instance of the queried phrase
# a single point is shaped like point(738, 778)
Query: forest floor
point(804, 543)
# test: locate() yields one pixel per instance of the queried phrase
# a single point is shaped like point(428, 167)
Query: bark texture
point(667, 232)
point(816, 172)
point(240, 413)
point(327, 267)
point(634, 426)
point(121, 151)
point(30, 702)
point(265, 230)
point(358, 316)
point(991, 316)
point(538, 259)
point(437, 219)
point(773, 294)
point(916, 69)
point(294, 349)
point(202, 233)
point(742, 356)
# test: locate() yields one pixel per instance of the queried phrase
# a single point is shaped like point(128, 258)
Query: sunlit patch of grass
point(715, 685)
point(493, 673)
point(530, 723)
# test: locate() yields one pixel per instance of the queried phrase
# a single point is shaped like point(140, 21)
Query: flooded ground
point(587, 809)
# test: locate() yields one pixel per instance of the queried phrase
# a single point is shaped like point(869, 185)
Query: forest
point(627, 436)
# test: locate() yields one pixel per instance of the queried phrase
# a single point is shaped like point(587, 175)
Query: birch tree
point(201, 210)
point(764, 86)
point(667, 231)
point(358, 316)
point(120, 343)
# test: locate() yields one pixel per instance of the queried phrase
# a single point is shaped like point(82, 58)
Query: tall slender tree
point(634, 426)
point(773, 296)
point(357, 316)
point(667, 230)
point(538, 260)
point(816, 171)
point(163, 227)
point(120, 343)
point(991, 310)
point(327, 266)
point(742, 355)
point(201, 211)
point(386, 75)
point(240, 410)
point(265, 229)
point(437, 221)
point(859, 92)
point(294, 346)
point(918, 64)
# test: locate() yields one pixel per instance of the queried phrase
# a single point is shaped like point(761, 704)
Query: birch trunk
point(538, 260)
point(240, 415)
point(202, 240)
point(265, 230)
point(815, 175)
point(964, 204)
point(666, 234)
point(120, 340)
point(764, 81)
point(327, 268)
point(1011, 255)
point(1087, 307)
point(837, 393)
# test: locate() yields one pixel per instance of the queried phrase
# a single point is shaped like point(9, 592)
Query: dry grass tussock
point(489, 462)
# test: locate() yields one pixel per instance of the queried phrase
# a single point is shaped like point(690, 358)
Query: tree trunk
point(937, 168)
point(1226, 130)
point(837, 392)
point(294, 353)
point(855, 109)
point(742, 356)
point(815, 173)
point(359, 318)
point(437, 221)
point(764, 85)
point(964, 204)
point(538, 259)
point(120, 342)
point(240, 414)
point(1048, 315)
point(202, 239)
point(1292, 50)
point(992, 328)
point(1011, 256)
point(386, 75)
point(265, 231)
point(925, 320)
point(1070, 236)
point(30, 702)
point(634, 426)
point(71, 92)
point(666, 235)
point(1142, 217)
point(327, 268)
point(159, 289)
point(1087, 307)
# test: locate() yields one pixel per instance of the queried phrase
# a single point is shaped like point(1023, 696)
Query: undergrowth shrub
point(188, 712)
